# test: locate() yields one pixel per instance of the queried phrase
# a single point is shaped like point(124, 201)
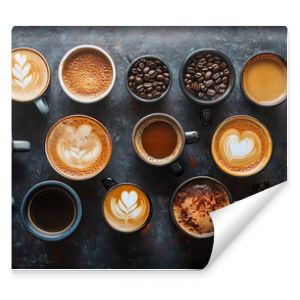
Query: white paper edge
point(231, 220)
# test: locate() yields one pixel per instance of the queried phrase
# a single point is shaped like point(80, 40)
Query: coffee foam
point(126, 208)
point(241, 146)
point(78, 147)
point(30, 75)
point(139, 144)
point(87, 73)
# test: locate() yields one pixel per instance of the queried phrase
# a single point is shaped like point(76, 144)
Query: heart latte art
point(126, 208)
point(30, 74)
point(241, 146)
point(240, 149)
point(78, 147)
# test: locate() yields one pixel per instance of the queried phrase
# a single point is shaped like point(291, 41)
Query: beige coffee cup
point(30, 77)
point(94, 78)
point(241, 146)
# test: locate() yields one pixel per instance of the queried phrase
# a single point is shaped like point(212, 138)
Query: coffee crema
point(87, 73)
point(158, 139)
point(264, 79)
point(193, 203)
point(78, 147)
point(30, 74)
point(126, 208)
point(241, 146)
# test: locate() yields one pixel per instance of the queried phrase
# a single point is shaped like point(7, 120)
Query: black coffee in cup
point(51, 210)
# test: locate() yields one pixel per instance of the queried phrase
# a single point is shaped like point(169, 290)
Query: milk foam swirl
point(78, 147)
point(239, 148)
point(127, 207)
point(21, 71)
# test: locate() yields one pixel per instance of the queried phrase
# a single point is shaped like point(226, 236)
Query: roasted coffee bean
point(191, 70)
point(146, 77)
point(219, 80)
point(149, 78)
point(206, 76)
point(210, 92)
point(148, 84)
point(160, 77)
point(209, 83)
point(225, 79)
point(138, 80)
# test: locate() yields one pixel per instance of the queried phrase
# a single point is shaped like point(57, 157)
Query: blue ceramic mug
point(51, 210)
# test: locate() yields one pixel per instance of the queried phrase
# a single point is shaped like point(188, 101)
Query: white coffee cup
point(76, 97)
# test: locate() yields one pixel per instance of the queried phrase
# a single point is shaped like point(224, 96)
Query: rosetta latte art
point(80, 147)
point(126, 207)
point(21, 70)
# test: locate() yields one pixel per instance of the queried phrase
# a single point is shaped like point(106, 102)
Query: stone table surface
point(160, 244)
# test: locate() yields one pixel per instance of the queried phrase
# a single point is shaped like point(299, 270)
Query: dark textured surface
point(160, 244)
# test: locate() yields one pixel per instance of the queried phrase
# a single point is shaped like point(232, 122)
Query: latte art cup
point(29, 68)
point(125, 207)
point(99, 51)
point(241, 146)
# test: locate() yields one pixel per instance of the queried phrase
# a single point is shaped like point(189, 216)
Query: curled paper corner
point(231, 220)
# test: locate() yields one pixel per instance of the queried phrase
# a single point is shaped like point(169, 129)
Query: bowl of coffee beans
point(206, 78)
point(148, 78)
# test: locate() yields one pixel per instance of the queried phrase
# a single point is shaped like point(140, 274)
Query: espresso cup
point(87, 74)
point(241, 146)
point(206, 78)
point(158, 139)
point(194, 200)
point(78, 147)
point(264, 79)
point(51, 210)
point(30, 77)
point(20, 146)
point(125, 207)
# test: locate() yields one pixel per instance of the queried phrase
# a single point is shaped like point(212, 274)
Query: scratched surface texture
point(160, 244)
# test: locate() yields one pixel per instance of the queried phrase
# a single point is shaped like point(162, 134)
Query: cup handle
point(20, 146)
point(205, 114)
point(177, 168)
point(42, 106)
point(108, 182)
point(191, 137)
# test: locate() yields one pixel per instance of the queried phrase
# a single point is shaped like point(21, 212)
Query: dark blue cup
point(62, 203)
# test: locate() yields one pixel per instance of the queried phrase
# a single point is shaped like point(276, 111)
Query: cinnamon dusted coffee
point(78, 147)
point(194, 201)
point(87, 73)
